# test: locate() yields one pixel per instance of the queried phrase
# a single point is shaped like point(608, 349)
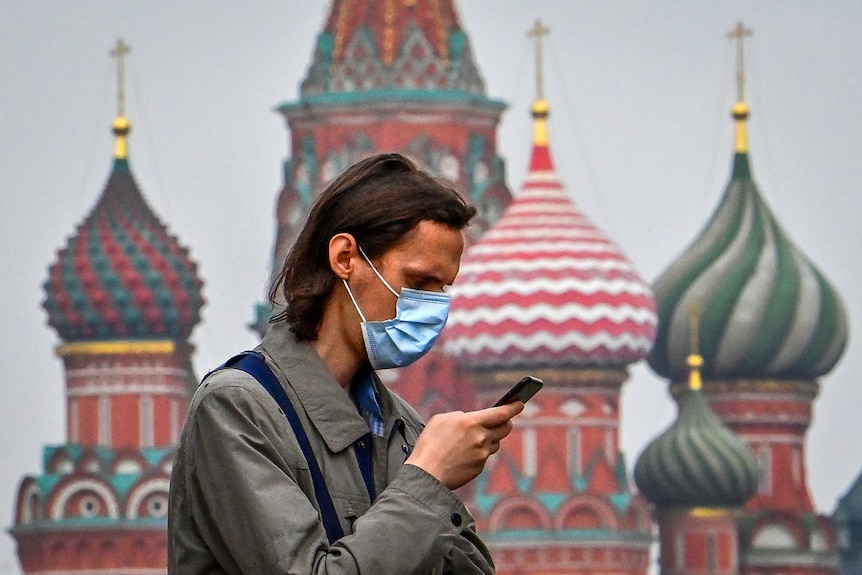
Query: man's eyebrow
point(426, 277)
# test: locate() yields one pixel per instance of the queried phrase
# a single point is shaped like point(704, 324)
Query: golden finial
point(740, 108)
point(540, 108)
point(121, 126)
point(694, 360)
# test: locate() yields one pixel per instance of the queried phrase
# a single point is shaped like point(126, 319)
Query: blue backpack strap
point(252, 363)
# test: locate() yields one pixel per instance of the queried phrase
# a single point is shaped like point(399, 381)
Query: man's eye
point(427, 284)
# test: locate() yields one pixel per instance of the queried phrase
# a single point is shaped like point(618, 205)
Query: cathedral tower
point(545, 292)
point(394, 75)
point(391, 75)
point(697, 474)
point(123, 296)
point(770, 325)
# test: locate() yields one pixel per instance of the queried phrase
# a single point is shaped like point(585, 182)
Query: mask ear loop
point(361, 251)
point(353, 299)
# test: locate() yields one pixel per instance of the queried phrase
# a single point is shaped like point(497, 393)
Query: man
point(364, 286)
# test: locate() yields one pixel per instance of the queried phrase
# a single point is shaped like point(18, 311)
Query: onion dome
point(697, 461)
point(378, 47)
point(122, 275)
point(765, 309)
point(545, 287)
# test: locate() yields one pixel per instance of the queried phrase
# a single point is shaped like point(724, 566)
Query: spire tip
point(740, 109)
point(540, 108)
point(121, 126)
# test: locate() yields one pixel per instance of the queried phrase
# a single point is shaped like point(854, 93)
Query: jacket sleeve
point(255, 517)
point(426, 520)
point(468, 554)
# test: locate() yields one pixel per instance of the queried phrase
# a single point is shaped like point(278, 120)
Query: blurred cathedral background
point(742, 325)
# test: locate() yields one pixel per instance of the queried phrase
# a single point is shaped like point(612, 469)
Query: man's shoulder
point(225, 380)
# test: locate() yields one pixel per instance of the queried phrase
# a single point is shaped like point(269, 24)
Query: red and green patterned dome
point(122, 275)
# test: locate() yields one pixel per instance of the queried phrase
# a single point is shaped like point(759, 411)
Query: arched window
point(773, 536)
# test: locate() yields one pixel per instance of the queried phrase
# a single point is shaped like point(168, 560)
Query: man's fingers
point(496, 416)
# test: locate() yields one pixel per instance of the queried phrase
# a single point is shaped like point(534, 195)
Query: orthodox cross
point(537, 31)
point(119, 52)
point(740, 33)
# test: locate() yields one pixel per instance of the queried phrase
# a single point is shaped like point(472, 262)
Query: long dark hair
point(378, 201)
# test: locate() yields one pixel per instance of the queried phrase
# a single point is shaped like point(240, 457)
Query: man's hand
point(455, 446)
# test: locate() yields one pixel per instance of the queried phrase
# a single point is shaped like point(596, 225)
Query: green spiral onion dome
point(697, 461)
point(764, 309)
point(122, 275)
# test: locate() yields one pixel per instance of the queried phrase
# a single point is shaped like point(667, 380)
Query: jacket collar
point(330, 409)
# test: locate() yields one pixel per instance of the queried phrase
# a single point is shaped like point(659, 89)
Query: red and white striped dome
point(546, 288)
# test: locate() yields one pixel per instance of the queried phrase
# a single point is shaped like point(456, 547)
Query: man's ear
point(343, 251)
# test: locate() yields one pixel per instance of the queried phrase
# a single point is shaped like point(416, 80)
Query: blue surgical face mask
point(419, 317)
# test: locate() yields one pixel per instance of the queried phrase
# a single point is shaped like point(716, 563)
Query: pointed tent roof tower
point(545, 287)
point(122, 275)
point(767, 311)
point(390, 75)
point(368, 49)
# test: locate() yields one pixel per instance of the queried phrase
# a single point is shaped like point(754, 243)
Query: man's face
point(427, 258)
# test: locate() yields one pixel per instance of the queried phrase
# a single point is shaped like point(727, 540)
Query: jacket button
point(361, 444)
point(455, 518)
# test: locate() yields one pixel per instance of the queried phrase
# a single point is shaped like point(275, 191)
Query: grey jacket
point(242, 500)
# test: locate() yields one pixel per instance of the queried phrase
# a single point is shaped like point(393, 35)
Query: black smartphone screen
point(521, 391)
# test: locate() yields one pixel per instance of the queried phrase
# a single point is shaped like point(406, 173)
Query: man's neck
point(337, 354)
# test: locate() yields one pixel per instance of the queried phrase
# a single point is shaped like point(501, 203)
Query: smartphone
point(522, 391)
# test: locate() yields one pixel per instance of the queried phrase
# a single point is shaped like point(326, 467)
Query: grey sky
point(640, 130)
